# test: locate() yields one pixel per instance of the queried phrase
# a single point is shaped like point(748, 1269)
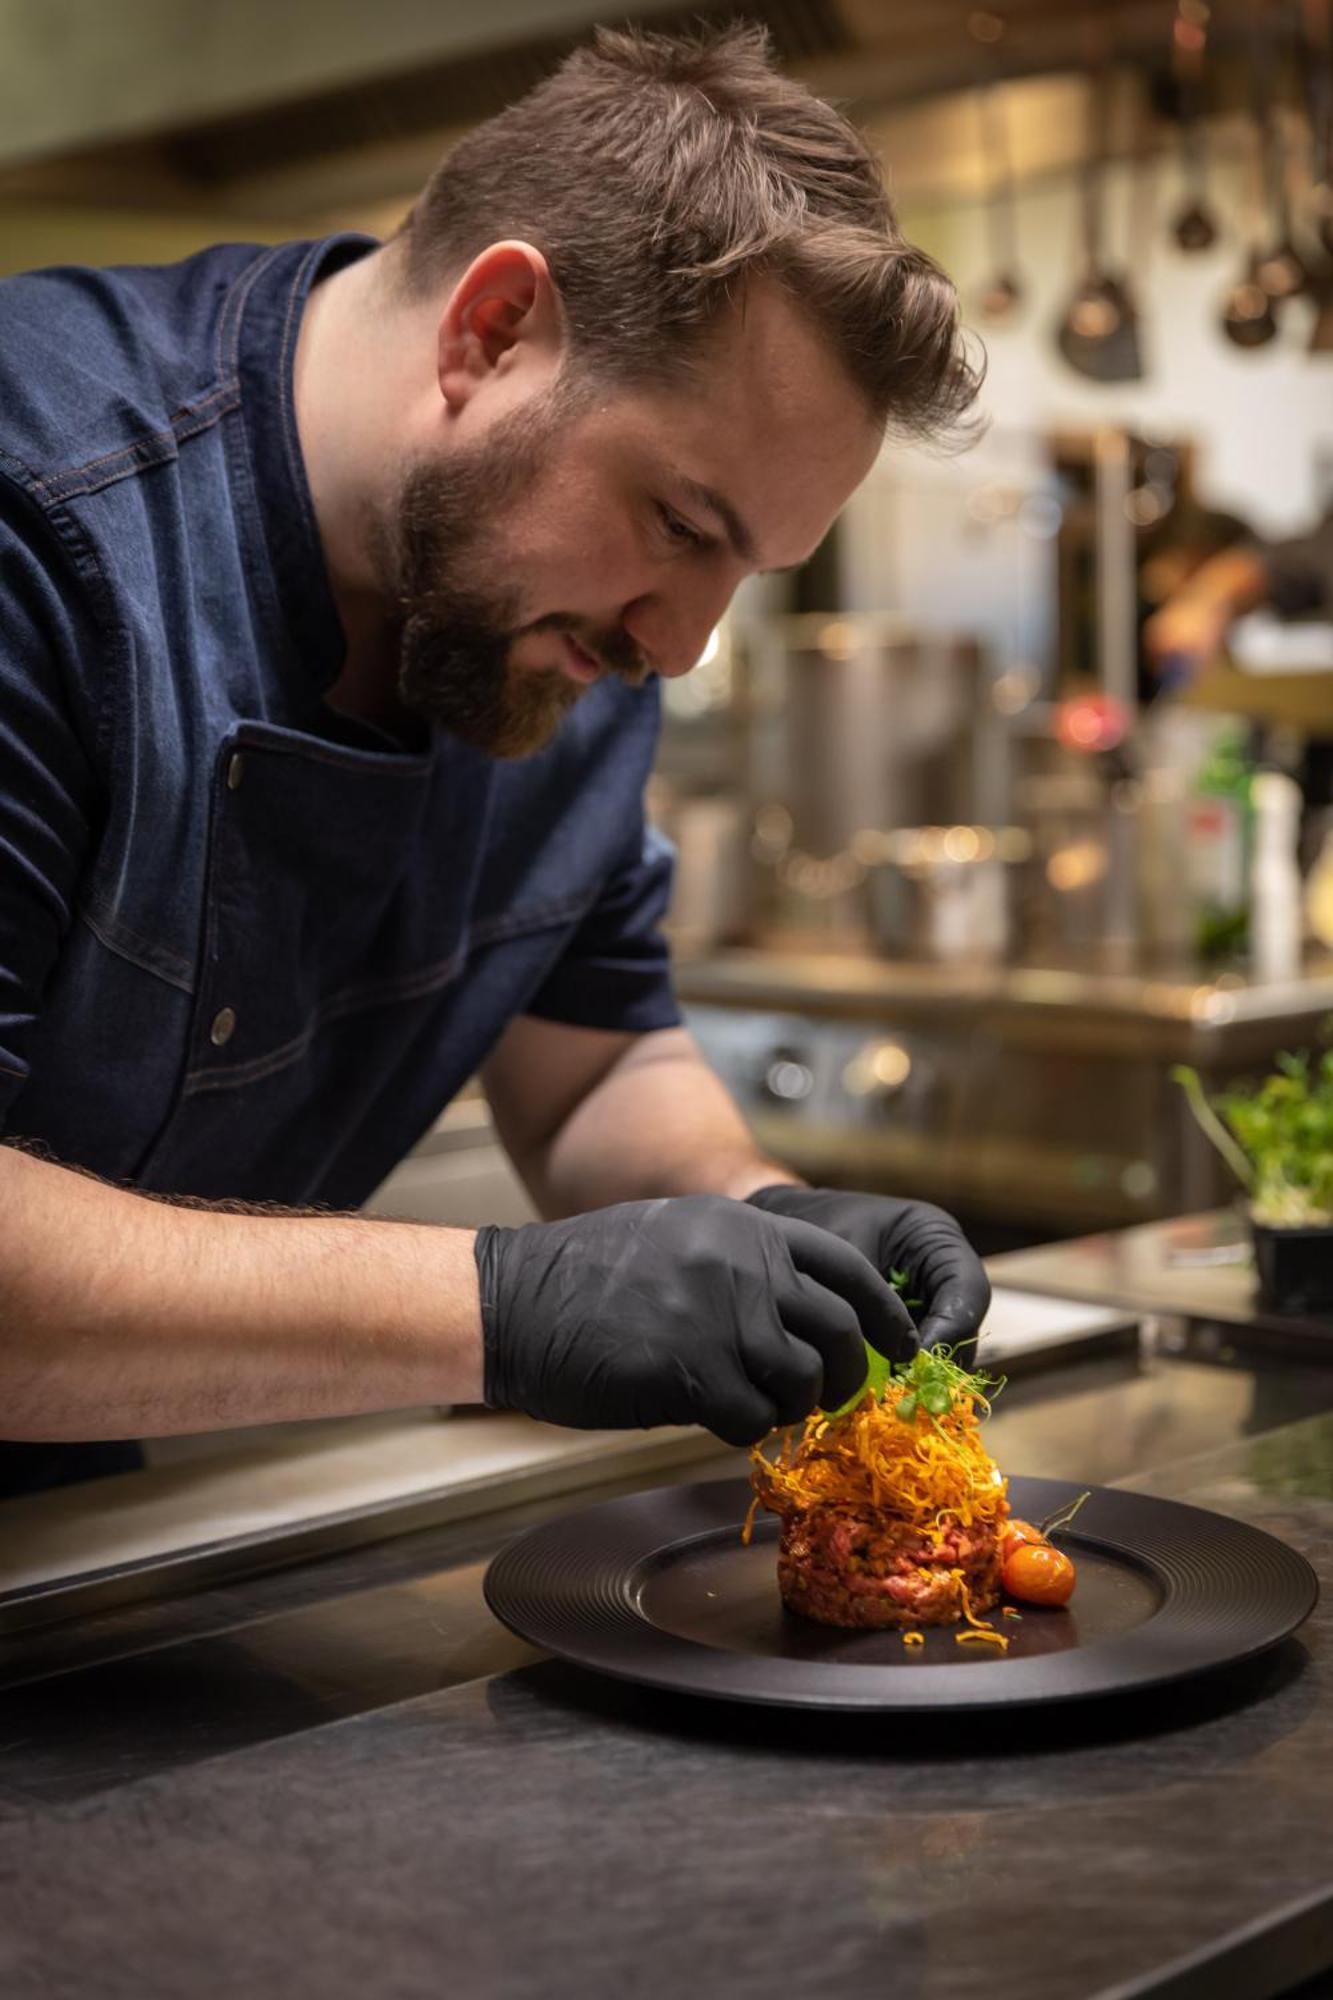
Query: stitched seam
point(227, 349)
point(187, 423)
point(351, 1001)
point(76, 545)
point(523, 922)
point(310, 751)
point(296, 472)
point(360, 999)
point(121, 941)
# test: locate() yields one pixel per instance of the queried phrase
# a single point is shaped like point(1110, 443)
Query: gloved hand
point(697, 1310)
point(944, 1270)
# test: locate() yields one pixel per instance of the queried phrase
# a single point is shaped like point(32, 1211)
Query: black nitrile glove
point(697, 1310)
point(943, 1269)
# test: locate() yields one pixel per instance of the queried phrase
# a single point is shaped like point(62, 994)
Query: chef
point(1292, 578)
point(337, 581)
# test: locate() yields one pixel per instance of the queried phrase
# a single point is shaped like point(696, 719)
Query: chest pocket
point(339, 906)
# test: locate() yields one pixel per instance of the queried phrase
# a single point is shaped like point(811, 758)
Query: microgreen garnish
point(933, 1381)
point(1062, 1515)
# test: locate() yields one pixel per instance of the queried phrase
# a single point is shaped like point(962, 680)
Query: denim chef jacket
point(250, 947)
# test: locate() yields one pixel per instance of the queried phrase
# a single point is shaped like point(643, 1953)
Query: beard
point(458, 626)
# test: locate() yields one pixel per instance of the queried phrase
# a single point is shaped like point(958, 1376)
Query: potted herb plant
point(1277, 1137)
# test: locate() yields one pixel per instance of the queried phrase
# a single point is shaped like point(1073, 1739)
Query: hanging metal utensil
point(1321, 333)
point(1248, 318)
point(1280, 268)
point(1098, 334)
point(1317, 63)
point(1193, 227)
point(1003, 292)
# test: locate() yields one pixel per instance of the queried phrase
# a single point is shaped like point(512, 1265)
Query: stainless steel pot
point(945, 893)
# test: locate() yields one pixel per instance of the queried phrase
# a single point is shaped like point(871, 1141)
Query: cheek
point(576, 556)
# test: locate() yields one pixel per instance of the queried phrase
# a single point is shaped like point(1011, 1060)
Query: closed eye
point(680, 532)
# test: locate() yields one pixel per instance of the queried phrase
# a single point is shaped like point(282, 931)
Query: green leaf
point(878, 1371)
point(1277, 1136)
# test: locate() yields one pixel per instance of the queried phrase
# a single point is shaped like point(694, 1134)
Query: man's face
point(585, 531)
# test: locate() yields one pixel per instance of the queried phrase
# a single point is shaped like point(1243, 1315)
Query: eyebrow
point(742, 541)
point(738, 534)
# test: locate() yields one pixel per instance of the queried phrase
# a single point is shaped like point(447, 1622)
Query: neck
point(351, 375)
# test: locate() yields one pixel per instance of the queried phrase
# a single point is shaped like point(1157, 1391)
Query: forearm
point(660, 1122)
point(1232, 583)
point(127, 1317)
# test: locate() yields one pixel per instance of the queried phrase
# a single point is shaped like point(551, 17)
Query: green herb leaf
point(1276, 1136)
point(1063, 1515)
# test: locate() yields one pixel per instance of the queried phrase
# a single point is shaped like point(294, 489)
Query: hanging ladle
point(1003, 293)
point(1280, 268)
point(1317, 63)
point(1194, 228)
point(1248, 316)
point(1098, 334)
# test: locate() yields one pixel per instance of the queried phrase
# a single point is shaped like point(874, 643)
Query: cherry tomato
point(1039, 1574)
point(1018, 1535)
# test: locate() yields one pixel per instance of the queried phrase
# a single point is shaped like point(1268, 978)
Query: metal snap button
point(235, 771)
point(223, 1028)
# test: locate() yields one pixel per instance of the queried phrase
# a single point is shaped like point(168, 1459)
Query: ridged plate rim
point(1229, 1591)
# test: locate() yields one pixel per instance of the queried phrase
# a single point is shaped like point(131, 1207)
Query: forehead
point(769, 418)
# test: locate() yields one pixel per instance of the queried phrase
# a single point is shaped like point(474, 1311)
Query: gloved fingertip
point(896, 1337)
point(960, 1338)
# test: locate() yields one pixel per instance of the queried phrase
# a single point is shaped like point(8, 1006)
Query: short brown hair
point(657, 174)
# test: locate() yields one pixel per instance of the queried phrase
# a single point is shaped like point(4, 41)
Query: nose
point(672, 632)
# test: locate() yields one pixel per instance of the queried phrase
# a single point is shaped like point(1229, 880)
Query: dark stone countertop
point(536, 1833)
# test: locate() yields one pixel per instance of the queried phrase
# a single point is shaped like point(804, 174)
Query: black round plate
point(656, 1587)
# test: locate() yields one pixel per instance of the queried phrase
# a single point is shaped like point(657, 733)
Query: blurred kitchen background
point(960, 876)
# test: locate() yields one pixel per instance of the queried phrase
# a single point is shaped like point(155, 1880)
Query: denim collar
point(270, 320)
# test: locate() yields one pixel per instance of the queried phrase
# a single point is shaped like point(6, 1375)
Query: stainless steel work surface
point(1197, 1266)
point(483, 1822)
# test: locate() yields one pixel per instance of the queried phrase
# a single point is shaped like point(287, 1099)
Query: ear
point(502, 314)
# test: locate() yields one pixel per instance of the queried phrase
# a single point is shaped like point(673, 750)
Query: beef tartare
point(892, 1511)
point(851, 1566)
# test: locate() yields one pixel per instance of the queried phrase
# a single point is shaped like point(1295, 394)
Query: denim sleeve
point(49, 795)
point(1300, 572)
point(615, 971)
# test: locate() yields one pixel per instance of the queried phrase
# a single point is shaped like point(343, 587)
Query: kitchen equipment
point(1098, 334)
point(657, 1588)
point(1194, 227)
point(1035, 1099)
point(1318, 66)
point(1321, 332)
point(1248, 319)
point(1003, 292)
point(1273, 270)
point(1280, 269)
point(861, 721)
point(945, 893)
point(710, 893)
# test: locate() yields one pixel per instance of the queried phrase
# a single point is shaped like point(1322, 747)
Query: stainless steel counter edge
point(169, 1573)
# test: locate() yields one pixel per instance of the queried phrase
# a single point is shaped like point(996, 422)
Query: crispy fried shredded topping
point(914, 1638)
point(913, 1453)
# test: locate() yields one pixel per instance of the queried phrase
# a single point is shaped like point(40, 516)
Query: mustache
point(611, 647)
